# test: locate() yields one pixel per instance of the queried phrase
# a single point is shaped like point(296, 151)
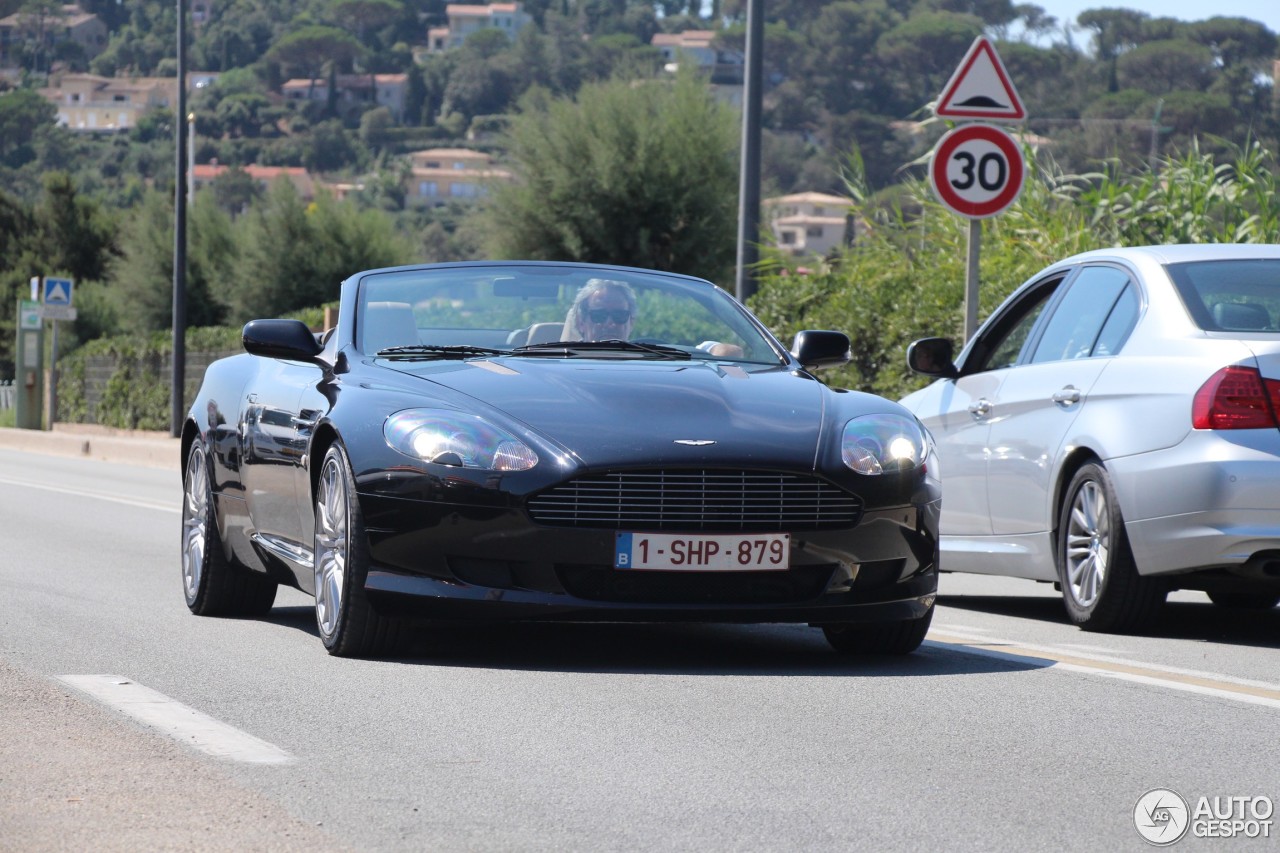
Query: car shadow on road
point(1178, 620)
point(1037, 607)
point(659, 648)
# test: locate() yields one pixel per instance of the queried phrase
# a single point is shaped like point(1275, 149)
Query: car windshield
point(553, 311)
point(1231, 295)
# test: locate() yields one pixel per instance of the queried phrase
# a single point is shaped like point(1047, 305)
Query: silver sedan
point(1112, 428)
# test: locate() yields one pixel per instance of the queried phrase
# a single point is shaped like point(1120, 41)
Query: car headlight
point(459, 439)
point(876, 444)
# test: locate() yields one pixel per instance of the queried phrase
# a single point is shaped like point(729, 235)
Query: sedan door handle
point(1067, 396)
point(980, 408)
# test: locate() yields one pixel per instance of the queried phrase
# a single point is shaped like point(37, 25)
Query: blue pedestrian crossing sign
point(57, 291)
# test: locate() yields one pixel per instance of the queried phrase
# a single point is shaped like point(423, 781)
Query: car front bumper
point(440, 561)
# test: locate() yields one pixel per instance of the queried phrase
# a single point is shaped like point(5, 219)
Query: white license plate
point(740, 552)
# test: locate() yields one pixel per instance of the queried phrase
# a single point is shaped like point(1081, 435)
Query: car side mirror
point(932, 357)
point(818, 349)
point(288, 339)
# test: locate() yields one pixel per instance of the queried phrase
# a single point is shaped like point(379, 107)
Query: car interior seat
point(1240, 315)
point(388, 324)
point(541, 333)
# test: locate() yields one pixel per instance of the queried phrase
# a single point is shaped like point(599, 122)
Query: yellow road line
point(1223, 687)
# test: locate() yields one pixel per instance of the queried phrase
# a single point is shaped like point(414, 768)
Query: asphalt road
point(1009, 730)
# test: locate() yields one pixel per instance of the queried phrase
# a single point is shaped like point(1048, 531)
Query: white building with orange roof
point(695, 47)
point(87, 102)
point(437, 175)
point(355, 91)
point(808, 223)
point(203, 174)
point(68, 23)
point(466, 18)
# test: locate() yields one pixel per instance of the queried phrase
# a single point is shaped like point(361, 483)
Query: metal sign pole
point(53, 376)
point(971, 279)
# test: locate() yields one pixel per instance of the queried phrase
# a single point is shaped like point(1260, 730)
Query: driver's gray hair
point(592, 287)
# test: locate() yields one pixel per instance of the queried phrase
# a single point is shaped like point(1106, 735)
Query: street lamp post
point(749, 174)
point(180, 234)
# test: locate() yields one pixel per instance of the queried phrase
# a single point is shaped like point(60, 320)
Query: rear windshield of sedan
point(1231, 296)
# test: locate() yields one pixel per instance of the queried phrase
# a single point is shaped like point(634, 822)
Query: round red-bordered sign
point(977, 170)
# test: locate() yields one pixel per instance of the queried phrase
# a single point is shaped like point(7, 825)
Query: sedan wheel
point(211, 583)
point(349, 626)
point(1101, 586)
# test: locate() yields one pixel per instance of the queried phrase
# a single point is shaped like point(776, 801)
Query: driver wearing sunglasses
point(602, 311)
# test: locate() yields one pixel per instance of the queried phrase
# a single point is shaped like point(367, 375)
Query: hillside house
point(808, 223)
point(89, 103)
point(203, 174)
point(70, 24)
point(724, 67)
point(465, 19)
point(356, 92)
point(438, 175)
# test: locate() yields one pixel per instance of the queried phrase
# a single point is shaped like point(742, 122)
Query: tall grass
point(905, 278)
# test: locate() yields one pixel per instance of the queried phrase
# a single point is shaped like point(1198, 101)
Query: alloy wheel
point(330, 546)
point(196, 509)
point(1088, 543)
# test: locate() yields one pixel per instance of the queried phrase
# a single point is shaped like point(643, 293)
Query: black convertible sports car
point(523, 440)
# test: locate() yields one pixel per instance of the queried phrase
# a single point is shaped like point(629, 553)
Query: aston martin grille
point(710, 500)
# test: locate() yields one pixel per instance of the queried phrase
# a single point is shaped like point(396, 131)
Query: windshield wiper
point(412, 351)
point(572, 348)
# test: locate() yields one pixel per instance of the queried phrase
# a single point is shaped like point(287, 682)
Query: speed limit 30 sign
point(977, 170)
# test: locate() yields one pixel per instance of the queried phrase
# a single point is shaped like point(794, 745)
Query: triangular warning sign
point(980, 88)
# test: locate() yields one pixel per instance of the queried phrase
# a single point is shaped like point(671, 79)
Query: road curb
point(130, 447)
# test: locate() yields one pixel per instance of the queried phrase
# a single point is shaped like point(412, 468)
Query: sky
point(1265, 11)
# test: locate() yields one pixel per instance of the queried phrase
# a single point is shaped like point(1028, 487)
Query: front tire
point(212, 584)
point(1101, 587)
point(349, 626)
point(879, 638)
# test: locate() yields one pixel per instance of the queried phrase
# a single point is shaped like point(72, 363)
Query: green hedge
point(137, 393)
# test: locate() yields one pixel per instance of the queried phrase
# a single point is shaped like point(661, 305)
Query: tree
point(292, 255)
point(141, 280)
point(37, 20)
point(235, 190)
point(919, 55)
point(77, 236)
point(22, 113)
point(313, 48)
point(1115, 31)
point(630, 174)
point(846, 33)
point(1160, 67)
point(356, 15)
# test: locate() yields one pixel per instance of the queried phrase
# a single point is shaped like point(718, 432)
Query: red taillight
point(1236, 398)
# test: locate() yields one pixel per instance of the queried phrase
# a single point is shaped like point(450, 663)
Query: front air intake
point(697, 500)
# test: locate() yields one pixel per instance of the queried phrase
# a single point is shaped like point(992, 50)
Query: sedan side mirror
point(932, 357)
point(815, 349)
point(289, 339)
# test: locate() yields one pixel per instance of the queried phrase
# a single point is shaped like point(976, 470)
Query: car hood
point(634, 412)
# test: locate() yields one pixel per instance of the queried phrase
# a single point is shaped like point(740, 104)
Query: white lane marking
point(178, 721)
point(1168, 678)
point(90, 493)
